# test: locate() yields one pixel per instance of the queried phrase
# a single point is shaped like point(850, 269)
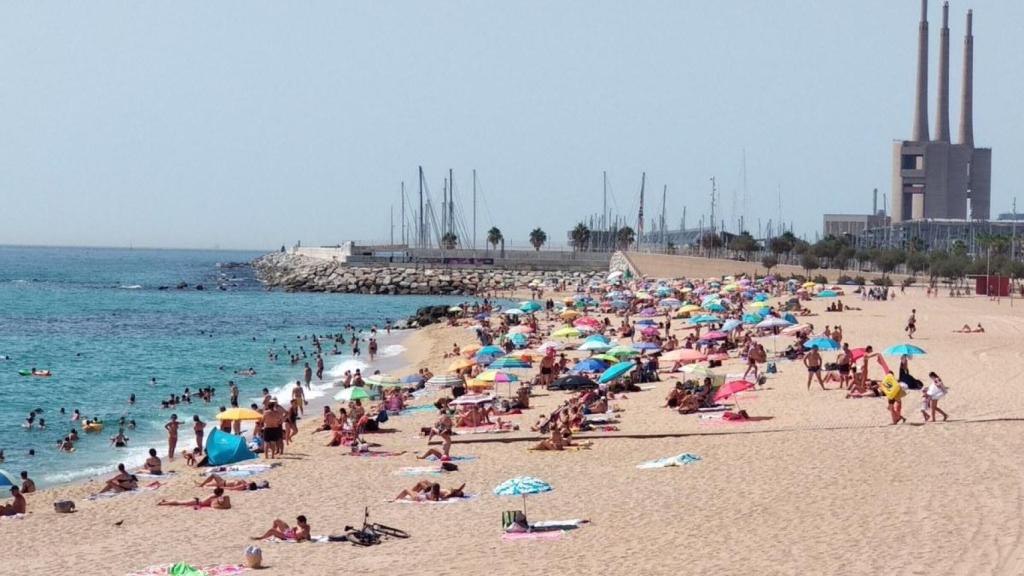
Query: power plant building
point(935, 178)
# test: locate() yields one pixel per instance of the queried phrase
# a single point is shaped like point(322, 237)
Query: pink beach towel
point(164, 569)
point(372, 454)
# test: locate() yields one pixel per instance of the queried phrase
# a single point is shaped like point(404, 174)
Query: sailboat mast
point(419, 239)
point(474, 208)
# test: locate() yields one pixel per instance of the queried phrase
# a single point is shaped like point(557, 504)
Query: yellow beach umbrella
point(239, 414)
point(460, 364)
point(470, 350)
point(690, 308)
point(479, 384)
point(566, 333)
point(569, 315)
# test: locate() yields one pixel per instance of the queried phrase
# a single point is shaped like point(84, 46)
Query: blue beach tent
point(223, 448)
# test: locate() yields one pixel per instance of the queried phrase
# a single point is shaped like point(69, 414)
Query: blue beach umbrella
point(731, 325)
point(508, 362)
point(616, 371)
point(646, 322)
point(589, 365)
point(597, 338)
point(481, 316)
point(522, 486)
point(490, 351)
point(6, 480)
point(761, 297)
point(706, 319)
point(904, 349)
point(529, 306)
point(827, 294)
point(822, 344)
point(790, 318)
point(752, 318)
point(595, 346)
point(715, 307)
point(620, 304)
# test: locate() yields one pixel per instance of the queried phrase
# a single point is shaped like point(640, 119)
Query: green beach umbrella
point(352, 393)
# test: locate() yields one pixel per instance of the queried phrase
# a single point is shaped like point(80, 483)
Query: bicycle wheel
point(362, 538)
point(389, 531)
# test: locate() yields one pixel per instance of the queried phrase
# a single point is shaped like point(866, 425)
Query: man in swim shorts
point(273, 434)
point(812, 360)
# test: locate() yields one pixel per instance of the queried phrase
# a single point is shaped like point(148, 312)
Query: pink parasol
point(733, 387)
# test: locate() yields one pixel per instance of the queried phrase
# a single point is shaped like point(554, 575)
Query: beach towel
point(552, 535)
point(241, 470)
point(13, 517)
point(453, 458)
point(372, 454)
point(553, 525)
point(486, 428)
point(155, 476)
point(313, 539)
point(106, 495)
point(417, 409)
point(466, 498)
point(418, 471)
point(167, 570)
point(680, 460)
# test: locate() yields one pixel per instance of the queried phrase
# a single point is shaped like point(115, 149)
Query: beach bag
point(64, 506)
point(253, 557)
point(382, 416)
point(772, 369)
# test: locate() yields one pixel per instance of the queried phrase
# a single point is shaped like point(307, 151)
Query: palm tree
point(625, 237)
point(537, 238)
point(450, 240)
point(580, 237)
point(494, 237)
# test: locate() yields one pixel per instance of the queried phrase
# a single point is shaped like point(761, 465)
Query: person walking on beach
point(198, 426)
point(373, 348)
point(307, 375)
point(299, 397)
point(935, 391)
point(319, 367)
point(911, 324)
point(812, 360)
point(172, 436)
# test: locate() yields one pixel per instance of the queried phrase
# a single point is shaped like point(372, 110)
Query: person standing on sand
point(307, 375)
point(911, 324)
point(844, 362)
point(812, 360)
point(172, 435)
point(198, 426)
point(935, 391)
point(273, 434)
point(373, 348)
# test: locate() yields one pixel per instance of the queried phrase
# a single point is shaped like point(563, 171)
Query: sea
point(105, 322)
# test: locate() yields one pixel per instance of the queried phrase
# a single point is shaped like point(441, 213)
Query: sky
point(252, 124)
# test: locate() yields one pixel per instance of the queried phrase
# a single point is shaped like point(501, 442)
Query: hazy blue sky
point(251, 124)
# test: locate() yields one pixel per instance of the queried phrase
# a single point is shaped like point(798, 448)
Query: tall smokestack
point(942, 105)
point(874, 203)
point(967, 98)
point(921, 103)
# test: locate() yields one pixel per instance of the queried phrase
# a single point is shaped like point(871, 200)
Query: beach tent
point(223, 448)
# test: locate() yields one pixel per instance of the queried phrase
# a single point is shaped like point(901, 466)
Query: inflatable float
point(36, 373)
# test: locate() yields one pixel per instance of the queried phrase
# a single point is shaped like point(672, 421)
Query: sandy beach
point(825, 486)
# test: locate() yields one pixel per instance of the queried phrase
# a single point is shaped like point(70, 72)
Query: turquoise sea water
point(99, 321)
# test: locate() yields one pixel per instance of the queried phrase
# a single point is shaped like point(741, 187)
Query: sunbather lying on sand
point(282, 531)
point(427, 491)
point(121, 482)
point(218, 501)
point(968, 330)
point(555, 442)
point(236, 485)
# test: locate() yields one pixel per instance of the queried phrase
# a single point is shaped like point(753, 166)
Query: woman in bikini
point(217, 501)
point(282, 531)
point(427, 491)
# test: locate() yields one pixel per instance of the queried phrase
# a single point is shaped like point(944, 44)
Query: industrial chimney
point(921, 103)
point(942, 105)
point(967, 98)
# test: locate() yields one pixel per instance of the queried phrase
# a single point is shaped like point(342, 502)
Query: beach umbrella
point(383, 381)
point(412, 379)
point(670, 303)
point(460, 364)
point(522, 329)
point(519, 340)
point(481, 316)
point(648, 346)
point(715, 336)
point(455, 310)
point(752, 318)
point(715, 307)
point(530, 306)
point(605, 358)
point(698, 370)
point(597, 338)
point(513, 312)
point(620, 304)
point(690, 308)
point(445, 380)
point(719, 356)
point(6, 480)
point(648, 312)
point(509, 363)
point(616, 371)
point(522, 486)
point(352, 393)
point(789, 318)
point(762, 297)
point(549, 345)
point(822, 344)
point(795, 329)
point(569, 315)
point(761, 304)
point(239, 414)
point(650, 331)
point(595, 346)
point(904, 349)
point(731, 325)
point(490, 351)
point(772, 322)
point(470, 349)
point(477, 384)
point(497, 376)
point(588, 321)
point(646, 322)
point(827, 294)
point(573, 382)
point(730, 388)
point(567, 333)
point(621, 351)
point(589, 365)
point(706, 319)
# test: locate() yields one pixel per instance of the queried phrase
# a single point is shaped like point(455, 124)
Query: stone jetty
point(298, 273)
